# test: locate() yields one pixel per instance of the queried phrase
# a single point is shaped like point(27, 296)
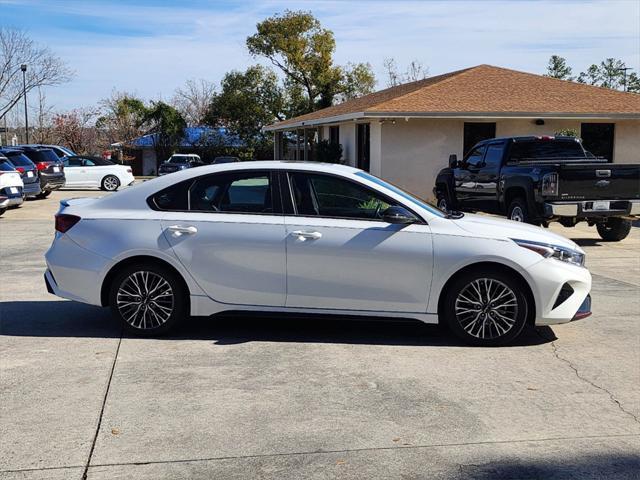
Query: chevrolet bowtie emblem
point(602, 183)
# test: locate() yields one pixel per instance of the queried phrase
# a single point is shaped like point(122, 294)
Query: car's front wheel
point(43, 194)
point(148, 299)
point(110, 183)
point(486, 308)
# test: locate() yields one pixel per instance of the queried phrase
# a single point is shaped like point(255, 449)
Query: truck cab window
point(474, 159)
point(494, 156)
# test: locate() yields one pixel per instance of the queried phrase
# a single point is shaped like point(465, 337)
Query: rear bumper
point(12, 199)
point(31, 189)
point(585, 209)
point(52, 182)
point(4, 202)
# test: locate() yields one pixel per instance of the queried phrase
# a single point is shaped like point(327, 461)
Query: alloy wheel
point(110, 183)
point(442, 205)
point(145, 300)
point(486, 308)
point(517, 215)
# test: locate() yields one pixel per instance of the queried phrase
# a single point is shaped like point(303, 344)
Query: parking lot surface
point(272, 399)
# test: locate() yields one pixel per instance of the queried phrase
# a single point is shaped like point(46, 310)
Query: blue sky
point(150, 47)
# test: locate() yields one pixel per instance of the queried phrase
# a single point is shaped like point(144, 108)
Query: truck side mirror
point(453, 160)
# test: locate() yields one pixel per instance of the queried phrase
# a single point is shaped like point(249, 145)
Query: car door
point(73, 172)
point(486, 181)
point(93, 174)
point(466, 177)
point(342, 255)
point(229, 234)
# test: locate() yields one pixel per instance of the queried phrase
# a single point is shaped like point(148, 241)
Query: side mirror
point(453, 160)
point(398, 215)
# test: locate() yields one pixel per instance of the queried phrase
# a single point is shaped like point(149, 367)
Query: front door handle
point(304, 235)
point(179, 230)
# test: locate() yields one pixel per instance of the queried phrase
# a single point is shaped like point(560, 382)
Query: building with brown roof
point(406, 133)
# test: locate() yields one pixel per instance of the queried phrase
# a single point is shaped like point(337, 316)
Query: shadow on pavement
point(71, 319)
point(618, 466)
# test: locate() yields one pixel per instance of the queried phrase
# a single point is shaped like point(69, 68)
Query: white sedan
point(308, 238)
point(81, 171)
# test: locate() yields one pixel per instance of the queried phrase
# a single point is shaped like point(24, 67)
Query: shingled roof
point(485, 91)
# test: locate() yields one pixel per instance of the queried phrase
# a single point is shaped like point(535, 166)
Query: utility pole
point(624, 71)
point(23, 67)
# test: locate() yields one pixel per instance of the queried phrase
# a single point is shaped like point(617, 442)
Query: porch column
point(375, 148)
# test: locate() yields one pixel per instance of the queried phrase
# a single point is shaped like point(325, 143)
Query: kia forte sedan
point(308, 238)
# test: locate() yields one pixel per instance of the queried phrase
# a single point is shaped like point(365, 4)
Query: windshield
point(407, 196)
point(179, 159)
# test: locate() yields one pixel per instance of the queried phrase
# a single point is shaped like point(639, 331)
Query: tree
point(193, 100)
point(558, 68)
point(302, 49)
point(609, 73)
point(415, 71)
point(76, 129)
point(123, 117)
point(166, 125)
point(247, 102)
point(43, 67)
point(357, 80)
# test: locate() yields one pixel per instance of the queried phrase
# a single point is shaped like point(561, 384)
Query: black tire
point(518, 211)
point(158, 321)
point(614, 230)
point(2, 210)
point(43, 194)
point(110, 183)
point(442, 202)
point(503, 322)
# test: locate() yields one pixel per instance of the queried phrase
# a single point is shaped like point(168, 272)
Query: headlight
point(553, 251)
point(550, 184)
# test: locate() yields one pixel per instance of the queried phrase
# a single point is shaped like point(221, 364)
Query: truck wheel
point(614, 229)
point(443, 202)
point(43, 194)
point(519, 212)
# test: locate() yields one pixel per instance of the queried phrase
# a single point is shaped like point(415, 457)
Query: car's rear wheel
point(2, 210)
point(486, 308)
point(44, 194)
point(614, 229)
point(148, 299)
point(110, 183)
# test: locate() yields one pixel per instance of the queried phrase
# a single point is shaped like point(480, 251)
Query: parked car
point(225, 160)
point(50, 168)
point(27, 170)
point(539, 180)
point(308, 238)
point(59, 150)
point(10, 185)
point(180, 161)
point(87, 171)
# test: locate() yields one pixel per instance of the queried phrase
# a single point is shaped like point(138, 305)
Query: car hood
point(498, 228)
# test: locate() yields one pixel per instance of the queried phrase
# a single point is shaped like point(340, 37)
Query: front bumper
point(584, 209)
point(548, 278)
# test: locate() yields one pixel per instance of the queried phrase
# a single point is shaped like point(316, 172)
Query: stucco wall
point(626, 147)
point(413, 152)
point(348, 142)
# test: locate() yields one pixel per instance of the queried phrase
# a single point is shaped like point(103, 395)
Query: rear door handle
point(304, 235)
point(179, 230)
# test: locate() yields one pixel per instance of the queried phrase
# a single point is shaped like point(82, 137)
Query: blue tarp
point(196, 137)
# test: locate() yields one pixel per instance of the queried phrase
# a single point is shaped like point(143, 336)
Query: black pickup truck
point(540, 180)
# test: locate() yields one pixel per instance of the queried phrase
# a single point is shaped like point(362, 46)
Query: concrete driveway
point(273, 399)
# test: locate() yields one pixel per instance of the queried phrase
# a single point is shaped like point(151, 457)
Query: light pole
point(23, 67)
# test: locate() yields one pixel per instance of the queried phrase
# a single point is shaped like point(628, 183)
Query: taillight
point(20, 169)
point(41, 166)
point(64, 222)
point(550, 184)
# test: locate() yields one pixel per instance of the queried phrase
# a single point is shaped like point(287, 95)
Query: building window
point(475, 132)
point(598, 139)
point(334, 135)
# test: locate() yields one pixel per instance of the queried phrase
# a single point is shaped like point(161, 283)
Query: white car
point(11, 185)
point(85, 171)
point(308, 238)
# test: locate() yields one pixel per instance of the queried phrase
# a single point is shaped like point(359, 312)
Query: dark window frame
point(334, 134)
point(292, 208)
point(469, 141)
point(274, 186)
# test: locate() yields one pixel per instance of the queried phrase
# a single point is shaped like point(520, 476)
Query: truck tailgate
point(595, 181)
